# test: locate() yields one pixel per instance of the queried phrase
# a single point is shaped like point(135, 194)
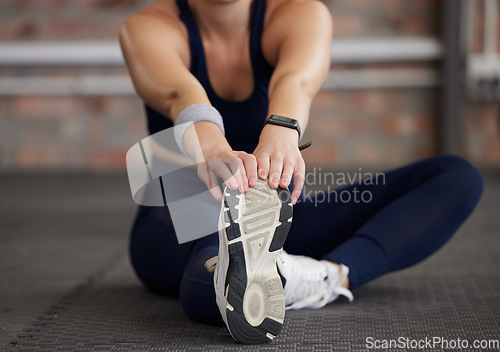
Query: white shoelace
point(322, 292)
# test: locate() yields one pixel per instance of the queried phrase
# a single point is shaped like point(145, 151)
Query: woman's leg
point(410, 215)
point(156, 256)
point(174, 269)
point(197, 293)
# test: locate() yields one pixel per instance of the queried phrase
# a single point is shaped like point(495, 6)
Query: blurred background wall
point(371, 112)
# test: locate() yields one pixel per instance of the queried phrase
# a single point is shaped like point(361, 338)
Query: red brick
point(25, 5)
point(363, 5)
point(115, 4)
point(366, 154)
point(326, 128)
point(492, 152)
point(424, 124)
point(369, 102)
point(22, 28)
point(95, 129)
point(324, 99)
point(415, 24)
point(388, 124)
point(112, 28)
point(4, 106)
point(62, 107)
point(71, 29)
point(425, 151)
point(52, 6)
point(395, 154)
point(344, 27)
point(31, 157)
point(356, 128)
point(30, 107)
point(110, 159)
point(320, 155)
point(482, 118)
point(95, 105)
point(117, 106)
point(488, 120)
point(137, 126)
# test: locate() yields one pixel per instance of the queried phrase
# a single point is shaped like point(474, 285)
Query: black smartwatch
point(283, 121)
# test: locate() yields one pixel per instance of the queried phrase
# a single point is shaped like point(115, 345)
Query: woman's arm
point(155, 53)
point(302, 32)
point(154, 45)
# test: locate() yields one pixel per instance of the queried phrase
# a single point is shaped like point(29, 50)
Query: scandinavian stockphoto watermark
point(340, 187)
point(430, 343)
point(161, 175)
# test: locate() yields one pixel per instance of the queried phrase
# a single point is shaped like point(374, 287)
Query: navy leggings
point(410, 216)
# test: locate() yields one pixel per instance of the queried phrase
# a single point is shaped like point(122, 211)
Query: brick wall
point(379, 128)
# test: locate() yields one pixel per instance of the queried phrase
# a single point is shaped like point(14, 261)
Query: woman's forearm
point(291, 97)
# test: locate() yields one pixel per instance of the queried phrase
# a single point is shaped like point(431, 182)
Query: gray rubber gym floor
point(66, 283)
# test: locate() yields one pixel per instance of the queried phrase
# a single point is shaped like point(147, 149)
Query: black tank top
point(243, 120)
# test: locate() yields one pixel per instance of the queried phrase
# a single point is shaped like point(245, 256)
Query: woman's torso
point(243, 105)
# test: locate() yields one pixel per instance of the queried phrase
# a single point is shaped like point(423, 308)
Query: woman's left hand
point(279, 159)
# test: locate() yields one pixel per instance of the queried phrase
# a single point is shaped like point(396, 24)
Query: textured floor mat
point(75, 291)
point(111, 312)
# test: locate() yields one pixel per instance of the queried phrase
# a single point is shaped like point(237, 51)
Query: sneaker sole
point(259, 222)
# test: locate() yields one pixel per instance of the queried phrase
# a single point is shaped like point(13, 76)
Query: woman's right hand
point(216, 159)
point(237, 169)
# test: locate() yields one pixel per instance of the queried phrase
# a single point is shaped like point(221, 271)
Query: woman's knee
point(152, 273)
point(462, 178)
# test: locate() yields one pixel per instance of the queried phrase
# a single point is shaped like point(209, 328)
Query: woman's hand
point(237, 169)
point(217, 160)
point(279, 159)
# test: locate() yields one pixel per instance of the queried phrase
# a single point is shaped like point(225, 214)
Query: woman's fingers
point(299, 178)
point(250, 163)
point(215, 190)
point(263, 166)
point(210, 180)
point(240, 170)
point(221, 170)
point(286, 176)
point(275, 170)
point(237, 168)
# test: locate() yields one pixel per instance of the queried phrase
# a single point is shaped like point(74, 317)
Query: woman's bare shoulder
point(161, 16)
point(158, 23)
point(285, 17)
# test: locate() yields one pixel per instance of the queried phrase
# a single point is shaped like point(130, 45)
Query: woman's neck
point(221, 18)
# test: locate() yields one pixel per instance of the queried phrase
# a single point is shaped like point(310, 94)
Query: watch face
point(284, 120)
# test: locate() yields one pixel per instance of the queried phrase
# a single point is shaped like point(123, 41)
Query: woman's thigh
point(320, 226)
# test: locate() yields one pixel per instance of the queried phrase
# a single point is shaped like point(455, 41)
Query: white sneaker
point(252, 230)
point(310, 283)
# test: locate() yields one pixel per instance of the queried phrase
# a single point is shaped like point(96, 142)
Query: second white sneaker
point(311, 283)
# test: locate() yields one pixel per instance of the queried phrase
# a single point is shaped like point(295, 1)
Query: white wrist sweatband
point(192, 114)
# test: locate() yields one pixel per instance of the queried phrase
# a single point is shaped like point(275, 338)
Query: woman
point(221, 69)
